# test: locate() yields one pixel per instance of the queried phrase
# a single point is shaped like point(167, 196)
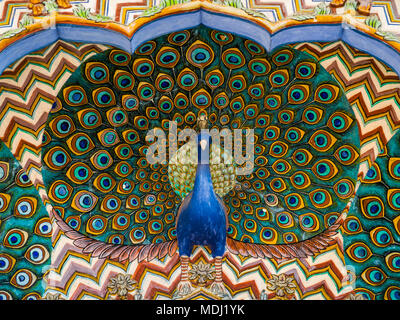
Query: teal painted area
point(30, 252)
point(382, 283)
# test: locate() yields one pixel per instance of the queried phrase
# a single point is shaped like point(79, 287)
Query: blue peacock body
point(201, 219)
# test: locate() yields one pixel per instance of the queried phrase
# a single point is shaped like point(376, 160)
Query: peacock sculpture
point(120, 206)
point(116, 203)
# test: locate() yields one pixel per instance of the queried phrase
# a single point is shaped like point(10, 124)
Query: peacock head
point(202, 121)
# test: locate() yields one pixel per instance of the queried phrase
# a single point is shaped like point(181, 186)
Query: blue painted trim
point(173, 23)
point(238, 26)
point(26, 45)
point(307, 33)
point(87, 34)
point(223, 22)
point(164, 26)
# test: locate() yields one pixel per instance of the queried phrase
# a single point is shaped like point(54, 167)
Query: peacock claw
point(218, 288)
point(184, 288)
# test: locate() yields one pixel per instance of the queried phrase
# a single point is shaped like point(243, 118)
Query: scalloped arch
point(189, 15)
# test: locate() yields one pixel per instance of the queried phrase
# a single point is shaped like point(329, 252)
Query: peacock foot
point(218, 288)
point(184, 288)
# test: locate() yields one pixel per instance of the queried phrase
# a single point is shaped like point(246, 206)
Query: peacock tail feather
point(25, 232)
point(372, 230)
point(102, 185)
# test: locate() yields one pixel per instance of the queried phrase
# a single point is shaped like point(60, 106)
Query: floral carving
point(282, 285)
point(201, 273)
point(353, 296)
point(53, 296)
point(121, 285)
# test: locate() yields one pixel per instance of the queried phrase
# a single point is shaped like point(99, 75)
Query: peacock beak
point(203, 144)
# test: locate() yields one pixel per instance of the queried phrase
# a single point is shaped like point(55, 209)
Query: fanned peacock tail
point(25, 232)
point(306, 140)
point(372, 240)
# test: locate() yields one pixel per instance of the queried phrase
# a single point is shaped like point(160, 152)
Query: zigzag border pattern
point(78, 276)
point(29, 88)
point(371, 87)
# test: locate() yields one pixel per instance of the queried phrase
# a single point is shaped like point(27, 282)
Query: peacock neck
point(203, 183)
